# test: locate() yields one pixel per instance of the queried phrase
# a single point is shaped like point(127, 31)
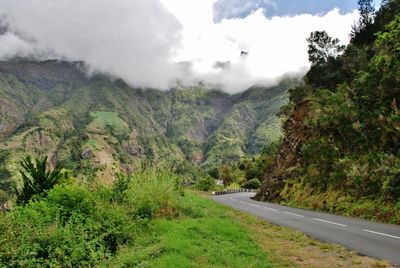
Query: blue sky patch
point(242, 8)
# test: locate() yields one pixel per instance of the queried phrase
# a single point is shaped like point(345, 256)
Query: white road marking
point(294, 214)
point(254, 205)
point(273, 209)
point(244, 203)
point(388, 235)
point(331, 222)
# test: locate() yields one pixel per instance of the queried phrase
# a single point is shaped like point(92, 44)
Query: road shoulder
point(286, 247)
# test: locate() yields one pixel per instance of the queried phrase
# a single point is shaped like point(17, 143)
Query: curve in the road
point(365, 237)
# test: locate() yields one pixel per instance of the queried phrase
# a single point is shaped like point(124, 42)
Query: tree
point(226, 175)
point(214, 172)
point(322, 47)
point(361, 32)
point(367, 12)
point(36, 178)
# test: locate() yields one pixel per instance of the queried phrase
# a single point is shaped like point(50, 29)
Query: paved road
point(368, 238)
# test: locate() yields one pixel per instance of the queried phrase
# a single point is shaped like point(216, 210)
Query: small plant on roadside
point(120, 186)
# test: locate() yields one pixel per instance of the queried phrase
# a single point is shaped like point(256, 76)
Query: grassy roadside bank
point(217, 236)
point(376, 209)
point(148, 220)
point(208, 237)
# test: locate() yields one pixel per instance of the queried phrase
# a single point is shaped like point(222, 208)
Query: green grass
point(206, 236)
point(103, 120)
point(108, 118)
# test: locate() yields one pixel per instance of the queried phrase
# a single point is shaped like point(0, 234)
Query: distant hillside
point(97, 126)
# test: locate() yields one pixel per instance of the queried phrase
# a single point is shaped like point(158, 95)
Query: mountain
point(340, 151)
point(97, 126)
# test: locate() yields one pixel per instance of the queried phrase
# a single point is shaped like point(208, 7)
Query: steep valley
point(97, 126)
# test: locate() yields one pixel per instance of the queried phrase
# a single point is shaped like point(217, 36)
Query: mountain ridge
point(98, 126)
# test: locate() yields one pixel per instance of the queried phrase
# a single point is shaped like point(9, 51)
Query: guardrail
point(233, 191)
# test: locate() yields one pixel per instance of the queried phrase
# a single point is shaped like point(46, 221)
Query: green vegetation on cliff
point(341, 147)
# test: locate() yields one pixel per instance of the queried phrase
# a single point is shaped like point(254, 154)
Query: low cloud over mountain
point(141, 41)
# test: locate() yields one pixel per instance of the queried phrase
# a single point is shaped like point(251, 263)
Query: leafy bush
point(35, 236)
point(75, 226)
point(392, 186)
point(206, 184)
point(252, 184)
point(70, 200)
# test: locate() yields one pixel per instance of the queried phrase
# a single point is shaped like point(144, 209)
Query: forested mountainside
point(341, 146)
point(97, 127)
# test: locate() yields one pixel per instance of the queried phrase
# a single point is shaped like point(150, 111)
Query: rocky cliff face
point(289, 155)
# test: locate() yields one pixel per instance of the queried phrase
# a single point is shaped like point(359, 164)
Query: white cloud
point(276, 46)
point(11, 45)
point(131, 39)
point(140, 40)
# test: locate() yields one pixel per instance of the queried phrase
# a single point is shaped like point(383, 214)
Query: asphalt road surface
point(368, 238)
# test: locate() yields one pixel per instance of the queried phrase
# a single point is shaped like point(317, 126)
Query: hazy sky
point(141, 41)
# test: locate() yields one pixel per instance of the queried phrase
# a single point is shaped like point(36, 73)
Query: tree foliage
point(367, 12)
point(322, 47)
point(226, 175)
point(355, 126)
point(360, 32)
point(342, 135)
point(252, 184)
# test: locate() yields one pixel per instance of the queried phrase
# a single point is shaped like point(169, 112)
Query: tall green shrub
point(154, 193)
